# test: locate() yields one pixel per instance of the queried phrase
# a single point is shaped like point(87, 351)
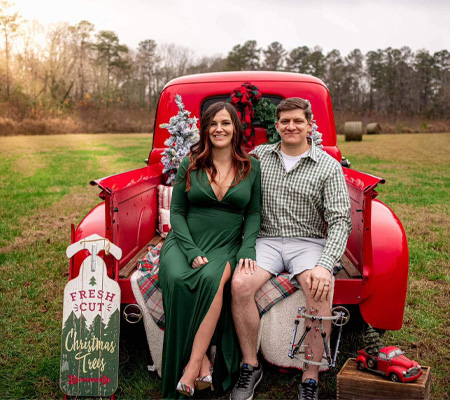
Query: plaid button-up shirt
point(311, 200)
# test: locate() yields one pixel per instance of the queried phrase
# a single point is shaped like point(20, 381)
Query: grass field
point(44, 187)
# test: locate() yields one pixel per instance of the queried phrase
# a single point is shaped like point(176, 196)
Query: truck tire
point(371, 363)
point(394, 377)
point(361, 366)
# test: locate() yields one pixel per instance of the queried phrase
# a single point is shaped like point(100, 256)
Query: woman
point(215, 221)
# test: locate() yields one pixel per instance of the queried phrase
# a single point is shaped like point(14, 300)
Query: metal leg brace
point(340, 316)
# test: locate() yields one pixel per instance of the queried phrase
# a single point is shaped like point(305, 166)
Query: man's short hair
point(294, 103)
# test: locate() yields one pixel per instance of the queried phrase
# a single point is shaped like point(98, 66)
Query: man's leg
point(314, 340)
point(245, 312)
point(246, 320)
point(244, 286)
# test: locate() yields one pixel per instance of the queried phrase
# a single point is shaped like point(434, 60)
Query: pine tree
point(92, 282)
point(372, 341)
point(183, 134)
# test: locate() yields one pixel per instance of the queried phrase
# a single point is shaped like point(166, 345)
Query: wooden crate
point(353, 384)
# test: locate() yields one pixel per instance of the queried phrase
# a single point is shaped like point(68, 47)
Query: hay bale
point(353, 131)
point(374, 128)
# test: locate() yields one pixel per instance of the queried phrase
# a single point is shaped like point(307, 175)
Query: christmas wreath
point(251, 107)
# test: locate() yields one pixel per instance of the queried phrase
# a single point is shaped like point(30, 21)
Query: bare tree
point(174, 61)
point(9, 25)
point(148, 61)
point(81, 36)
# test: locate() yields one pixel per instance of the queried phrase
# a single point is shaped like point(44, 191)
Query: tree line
point(64, 66)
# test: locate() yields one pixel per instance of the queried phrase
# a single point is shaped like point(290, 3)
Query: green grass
point(44, 186)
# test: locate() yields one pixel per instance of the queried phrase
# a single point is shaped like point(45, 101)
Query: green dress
point(223, 231)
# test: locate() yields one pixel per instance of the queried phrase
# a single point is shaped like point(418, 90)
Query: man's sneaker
point(308, 390)
point(249, 378)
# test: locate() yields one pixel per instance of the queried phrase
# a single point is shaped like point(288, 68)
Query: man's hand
point(199, 262)
point(319, 281)
point(247, 264)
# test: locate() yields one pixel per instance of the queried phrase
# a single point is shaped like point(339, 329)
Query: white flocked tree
point(183, 134)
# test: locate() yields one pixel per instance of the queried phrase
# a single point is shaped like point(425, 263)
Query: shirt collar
point(312, 152)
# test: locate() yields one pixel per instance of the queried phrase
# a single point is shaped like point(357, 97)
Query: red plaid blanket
point(149, 284)
point(272, 292)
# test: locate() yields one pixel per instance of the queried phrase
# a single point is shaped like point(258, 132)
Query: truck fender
point(385, 282)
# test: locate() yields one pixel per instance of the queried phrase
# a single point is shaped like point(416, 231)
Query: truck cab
point(375, 265)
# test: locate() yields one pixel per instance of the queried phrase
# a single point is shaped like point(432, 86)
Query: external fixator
point(340, 316)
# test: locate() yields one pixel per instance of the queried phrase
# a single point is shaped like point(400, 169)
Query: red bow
point(244, 98)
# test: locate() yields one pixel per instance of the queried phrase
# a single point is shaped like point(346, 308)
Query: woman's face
point(221, 130)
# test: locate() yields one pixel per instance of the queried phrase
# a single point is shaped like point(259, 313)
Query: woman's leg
point(204, 334)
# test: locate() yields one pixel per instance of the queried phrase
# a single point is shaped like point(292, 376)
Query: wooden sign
point(91, 322)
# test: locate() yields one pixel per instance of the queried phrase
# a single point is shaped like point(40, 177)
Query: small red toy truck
point(390, 361)
point(376, 260)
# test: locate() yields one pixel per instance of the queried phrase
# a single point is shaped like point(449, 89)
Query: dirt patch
point(423, 221)
point(53, 222)
point(28, 164)
point(12, 145)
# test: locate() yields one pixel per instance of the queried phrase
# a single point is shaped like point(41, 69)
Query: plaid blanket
point(149, 284)
point(272, 292)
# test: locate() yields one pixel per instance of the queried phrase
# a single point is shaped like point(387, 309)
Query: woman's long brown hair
point(201, 152)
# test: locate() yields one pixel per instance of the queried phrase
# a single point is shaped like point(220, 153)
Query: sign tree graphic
point(90, 328)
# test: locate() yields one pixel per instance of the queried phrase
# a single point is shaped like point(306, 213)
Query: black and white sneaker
point(308, 390)
point(249, 378)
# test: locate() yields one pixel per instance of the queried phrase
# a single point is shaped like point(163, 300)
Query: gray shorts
point(293, 255)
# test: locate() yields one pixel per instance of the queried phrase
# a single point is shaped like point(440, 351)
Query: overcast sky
point(211, 27)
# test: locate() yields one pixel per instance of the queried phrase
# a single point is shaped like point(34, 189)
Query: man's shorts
point(293, 255)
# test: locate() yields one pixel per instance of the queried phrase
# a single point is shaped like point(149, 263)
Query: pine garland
point(265, 114)
point(183, 134)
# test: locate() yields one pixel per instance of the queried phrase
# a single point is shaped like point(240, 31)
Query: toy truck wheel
point(371, 363)
point(361, 366)
point(394, 377)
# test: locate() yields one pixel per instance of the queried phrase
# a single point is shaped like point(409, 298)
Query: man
point(305, 224)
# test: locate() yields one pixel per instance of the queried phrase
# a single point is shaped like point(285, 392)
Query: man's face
point(293, 128)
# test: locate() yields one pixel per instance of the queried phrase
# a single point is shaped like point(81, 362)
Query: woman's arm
point(178, 210)
point(252, 217)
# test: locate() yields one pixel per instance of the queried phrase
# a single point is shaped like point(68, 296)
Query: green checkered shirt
point(311, 200)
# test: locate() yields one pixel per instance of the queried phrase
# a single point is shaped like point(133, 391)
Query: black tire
point(361, 366)
point(394, 377)
point(371, 363)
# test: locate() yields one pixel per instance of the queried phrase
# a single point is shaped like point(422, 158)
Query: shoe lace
point(309, 392)
point(244, 378)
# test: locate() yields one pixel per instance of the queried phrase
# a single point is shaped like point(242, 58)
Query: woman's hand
point(199, 262)
point(247, 264)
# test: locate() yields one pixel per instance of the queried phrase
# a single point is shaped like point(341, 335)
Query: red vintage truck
point(376, 259)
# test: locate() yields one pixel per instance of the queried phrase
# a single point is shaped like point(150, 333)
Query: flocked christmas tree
point(372, 341)
point(316, 136)
point(183, 134)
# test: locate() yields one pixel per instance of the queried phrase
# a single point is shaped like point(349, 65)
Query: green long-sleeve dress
point(222, 231)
